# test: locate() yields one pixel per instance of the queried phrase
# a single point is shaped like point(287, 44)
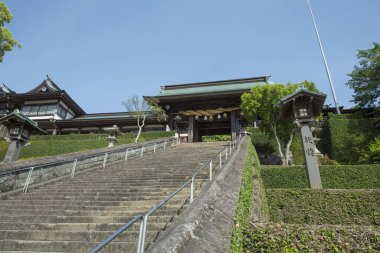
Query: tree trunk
point(287, 153)
point(274, 129)
point(140, 127)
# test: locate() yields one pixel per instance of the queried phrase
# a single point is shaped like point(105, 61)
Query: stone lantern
point(302, 106)
point(113, 132)
point(19, 128)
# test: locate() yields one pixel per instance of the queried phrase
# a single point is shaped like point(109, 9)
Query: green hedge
point(287, 238)
point(50, 145)
point(338, 207)
point(333, 177)
point(244, 205)
point(345, 137)
point(215, 138)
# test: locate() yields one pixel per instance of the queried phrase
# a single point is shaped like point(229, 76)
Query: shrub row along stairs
point(75, 214)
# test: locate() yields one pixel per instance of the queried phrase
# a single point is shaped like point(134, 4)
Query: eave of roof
point(298, 92)
point(21, 117)
point(215, 87)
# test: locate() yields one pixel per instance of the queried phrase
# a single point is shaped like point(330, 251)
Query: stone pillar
point(13, 151)
point(190, 129)
point(233, 124)
point(310, 156)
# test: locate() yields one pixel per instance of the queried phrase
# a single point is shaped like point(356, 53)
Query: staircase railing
point(23, 176)
point(223, 154)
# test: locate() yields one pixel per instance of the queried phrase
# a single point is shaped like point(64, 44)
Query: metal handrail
point(144, 216)
point(106, 154)
point(5, 172)
point(116, 234)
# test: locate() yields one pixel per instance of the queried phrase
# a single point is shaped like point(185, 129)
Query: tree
point(263, 102)
point(6, 40)
point(365, 78)
point(140, 109)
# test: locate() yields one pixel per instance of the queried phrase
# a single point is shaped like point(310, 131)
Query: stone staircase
point(75, 214)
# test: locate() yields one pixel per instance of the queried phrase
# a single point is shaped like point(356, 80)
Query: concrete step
point(63, 246)
point(75, 214)
point(159, 216)
point(91, 236)
point(77, 227)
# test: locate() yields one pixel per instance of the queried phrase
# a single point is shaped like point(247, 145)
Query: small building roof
point(16, 116)
point(318, 99)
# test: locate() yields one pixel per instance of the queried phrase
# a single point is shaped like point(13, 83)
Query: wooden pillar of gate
point(233, 124)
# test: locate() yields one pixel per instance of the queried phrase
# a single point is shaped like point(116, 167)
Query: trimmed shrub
point(337, 207)
point(305, 238)
point(333, 177)
point(344, 137)
point(215, 138)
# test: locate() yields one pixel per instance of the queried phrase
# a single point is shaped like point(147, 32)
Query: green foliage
point(344, 137)
point(365, 78)
point(49, 145)
point(297, 150)
point(263, 102)
point(215, 138)
point(263, 143)
point(244, 205)
point(333, 177)
point(324, 206)
point(286, 238)
point(372, 155)
point(7, 43)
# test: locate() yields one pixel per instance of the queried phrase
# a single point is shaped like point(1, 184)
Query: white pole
point(324, 59)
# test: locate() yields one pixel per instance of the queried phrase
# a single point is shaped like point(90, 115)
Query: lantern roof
point(316, 99)
point(17, 117)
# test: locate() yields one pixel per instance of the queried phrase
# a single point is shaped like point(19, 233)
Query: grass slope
point(49, 145)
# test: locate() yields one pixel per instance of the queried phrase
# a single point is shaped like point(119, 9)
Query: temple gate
point(208, 108)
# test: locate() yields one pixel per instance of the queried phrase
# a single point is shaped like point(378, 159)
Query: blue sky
point(102, 52)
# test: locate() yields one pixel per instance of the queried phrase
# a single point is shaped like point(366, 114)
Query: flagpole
point(324, 59)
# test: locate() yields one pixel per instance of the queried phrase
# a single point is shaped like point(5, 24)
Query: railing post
point(126, 155)
point(73, 168)
point(105, 160)
point(27, 181)
point(154, 148)
point(140, 246)
point(192, 190)
point(140, 235)
point(220, 159)
point(142, 151)
point(226, 153)
point(210, 169)
point(230, 149)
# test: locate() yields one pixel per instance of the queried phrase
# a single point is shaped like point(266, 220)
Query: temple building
point(193, 110)
point(57, 113)
point(207, 108)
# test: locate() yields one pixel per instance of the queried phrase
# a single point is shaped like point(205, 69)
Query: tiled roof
point(212, 87)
